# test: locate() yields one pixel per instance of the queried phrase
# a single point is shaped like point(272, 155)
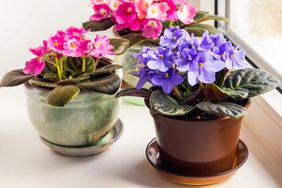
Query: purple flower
point(173, 36)
point(185, 59)
point(167, 80)
point(145, 75)
point(143, 56)
point(203, 69)
point(161, 59)
point(218, 39)
point(206, 43)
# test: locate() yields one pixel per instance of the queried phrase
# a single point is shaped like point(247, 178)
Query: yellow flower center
point(73, 45)
point(56, 44)
point(103, 12)
point(201, 65)
point(98, 44)
point(115, 5)
point(166, 75)
point(162, 56)
point(232, 56)
point(129, 10)
point(153, 11)
point(152, 24)
point(174, 38)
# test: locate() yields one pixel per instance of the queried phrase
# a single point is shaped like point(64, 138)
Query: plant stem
point(177, 93)
point(58, 68)
point(96, 63)
point(83, 64)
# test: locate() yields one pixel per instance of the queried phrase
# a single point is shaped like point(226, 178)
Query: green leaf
point(133, 92)
point(120, 45)
point(213, 92)
point(224, 108)
point(216, 18)
point(41, 83)
point(15, 78)
point(98, 25)
point(61, 95)
point(199, 29)
point(200, 15)
point(250, 82)
point(134, 38)
point(105, 70)
point(72, 81)
point(107, 84)
point(164, 104)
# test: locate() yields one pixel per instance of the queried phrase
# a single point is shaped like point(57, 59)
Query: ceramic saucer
point(152, 153)
point(101, 146)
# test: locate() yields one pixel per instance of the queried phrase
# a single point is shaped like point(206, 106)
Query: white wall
point(25, 23)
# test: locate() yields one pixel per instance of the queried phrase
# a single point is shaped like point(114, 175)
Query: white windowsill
point(26, 162)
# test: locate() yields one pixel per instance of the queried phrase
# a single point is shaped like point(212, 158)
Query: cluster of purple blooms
point(182, 57)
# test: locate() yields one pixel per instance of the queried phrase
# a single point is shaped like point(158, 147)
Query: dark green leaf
point(15, 78)
point(98, 25)
point(133, 92)
point(198, 29)
point(213, 92)
point(73, 81)
point(105, 70)
point(224, 108)
point(249, 82)
point(61, 95)
point(134, 38)
point(216, 18)
point(164, 104)
point(41, 83)
point(120, 45)
point(107, 84)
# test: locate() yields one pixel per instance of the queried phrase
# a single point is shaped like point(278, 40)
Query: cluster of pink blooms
point(143, 15)
point(71, 42)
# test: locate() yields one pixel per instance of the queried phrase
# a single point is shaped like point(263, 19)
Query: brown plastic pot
point(198, 148)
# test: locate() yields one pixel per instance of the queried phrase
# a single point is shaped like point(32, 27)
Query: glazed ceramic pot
point(82, 122)
point(198, 148)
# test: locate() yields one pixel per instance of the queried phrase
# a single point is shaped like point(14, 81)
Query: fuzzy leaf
point(199, 29)
point(166, 105)
point(61, 95)
point(133, 92)
point(105, 70)
point(200, 15)
point(15, 78)
point(213, 92)
point(224, 108)
point(249, 82)
point(107, 84)
point(134, 38)
point(216, 18)
point(41, 83)
point(98, 25)
point(120, 45)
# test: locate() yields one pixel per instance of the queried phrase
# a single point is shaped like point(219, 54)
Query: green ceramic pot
point(82, 122)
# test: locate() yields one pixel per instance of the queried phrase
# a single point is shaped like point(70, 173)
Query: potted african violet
point(70, 87)
point(143, 21)
point(201, 90)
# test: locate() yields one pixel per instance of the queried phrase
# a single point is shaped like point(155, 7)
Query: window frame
point(269, 127)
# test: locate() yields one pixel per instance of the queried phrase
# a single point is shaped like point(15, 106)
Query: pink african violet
point(125, 13)
point(152, 29)
point(158, 11)
point(35, 66)
point(71, 42)
point(136, 14)
point(101, 11)
point(186, 13)
point(101, 47)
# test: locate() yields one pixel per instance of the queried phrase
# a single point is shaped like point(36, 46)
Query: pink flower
point(152, 29)
point(158, 11)
point(171, 13)
point(186, 13)
point(101, 11)
point(74, 32)
point(135, 25)
point(76, 48)
point(35, 66)
point(114, 4)
point(125, 13)
point(41, 50)
point(101, 47)
point(142, 7)
point(97, 2)
point(56, 42)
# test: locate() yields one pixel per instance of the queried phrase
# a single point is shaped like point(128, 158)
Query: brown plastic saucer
point(152, 153)
point(101, 146)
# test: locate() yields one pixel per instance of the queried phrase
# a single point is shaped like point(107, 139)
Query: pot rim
point(224, 118)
